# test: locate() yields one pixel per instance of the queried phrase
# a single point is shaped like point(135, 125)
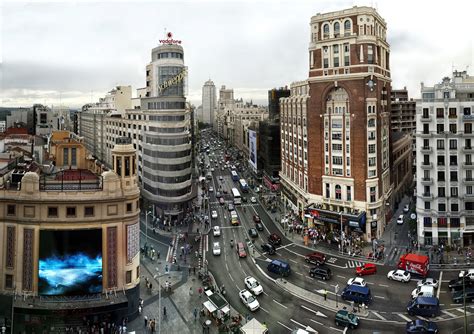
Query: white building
point(209, 103)
point(445, 150)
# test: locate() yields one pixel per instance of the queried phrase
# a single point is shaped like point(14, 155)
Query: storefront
point(315, 215)
point(290, 200)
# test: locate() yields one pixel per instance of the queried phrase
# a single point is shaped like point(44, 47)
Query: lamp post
point(342, 248)
point(336, 289)
point(146, 224)
point(159, 300)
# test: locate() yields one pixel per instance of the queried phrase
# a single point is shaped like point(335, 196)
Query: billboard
point(70, 262)
point(253, 148)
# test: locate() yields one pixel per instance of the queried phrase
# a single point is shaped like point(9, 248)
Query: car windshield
point(254, 284)
point(250, 299)
point(351, 316)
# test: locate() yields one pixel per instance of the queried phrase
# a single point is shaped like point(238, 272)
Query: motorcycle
point(232, 244)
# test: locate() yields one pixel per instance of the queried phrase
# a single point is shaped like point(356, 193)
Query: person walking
point(195, 312)
point(146, 320)
point(164, 312)
point(325, 293)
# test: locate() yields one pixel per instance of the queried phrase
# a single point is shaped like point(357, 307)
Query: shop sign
point(169, 39)
point(353, 223)
point(173, 81)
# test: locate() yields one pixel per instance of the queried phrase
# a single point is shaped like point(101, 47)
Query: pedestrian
point(325, 293)
point(146, 320)
point(200, 292)
point(195, 312)
point(194, 270)
point(164, 312)
point(139, 310)
point(191, 291)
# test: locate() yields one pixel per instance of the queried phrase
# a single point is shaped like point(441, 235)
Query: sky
point(71, 53)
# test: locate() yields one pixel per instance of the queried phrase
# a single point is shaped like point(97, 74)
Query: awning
point(209, 306)
point(253, 327)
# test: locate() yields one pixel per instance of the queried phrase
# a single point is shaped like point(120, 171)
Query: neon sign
point(173, 81)
point(169, 39)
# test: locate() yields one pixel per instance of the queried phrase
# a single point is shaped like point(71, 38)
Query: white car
point(249, 300)
point(406, 208)
point(469, 273)
point(357, 281)
point(214, 214)
point(221, 178)
point(211, 189)
point(257, 189)
point(212, 169)
point(399, 275)
point(253, 285)
point(216, 248)
point(428, 282)
point(216, 231)
point(400, 220)
point(253, 199)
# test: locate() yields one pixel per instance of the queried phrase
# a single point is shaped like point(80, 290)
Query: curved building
point(167, 137)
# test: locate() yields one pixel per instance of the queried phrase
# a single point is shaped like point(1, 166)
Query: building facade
point(46, 212)
point(209, 102)
point(348, 123)
point(401, 169)
point(444, 174)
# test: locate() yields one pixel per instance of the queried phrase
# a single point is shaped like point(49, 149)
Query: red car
point(366, 269)
point(241, 249)
point(256, 218)
point(315, 258)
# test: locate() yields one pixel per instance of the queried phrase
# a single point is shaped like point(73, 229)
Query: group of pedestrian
point(149, 285)
point(150, 326)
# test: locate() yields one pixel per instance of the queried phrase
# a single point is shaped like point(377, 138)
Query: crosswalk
point(353, 263)
point(452, 313)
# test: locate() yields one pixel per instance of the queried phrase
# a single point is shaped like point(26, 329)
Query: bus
point(244, 186)
point(236, 195)
point(235, 176)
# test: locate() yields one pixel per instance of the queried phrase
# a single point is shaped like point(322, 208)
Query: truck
point(414, 264)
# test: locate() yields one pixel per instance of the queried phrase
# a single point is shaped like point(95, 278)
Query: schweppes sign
point(173, 81)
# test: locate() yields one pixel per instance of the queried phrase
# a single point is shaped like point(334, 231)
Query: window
point(453, 160)
point(326, 31)
point(338, 192)
point(454, 207)
point(347, 27)
point(441, 176)
point(336, 160)
point(129, 207)
point(11, 209)
point(454, 191)
point(469, 190)
point(337, 28)
point(440, 159)
point(467, 111)
point(372, 162)
point(325, 62)
point(349, 193)
point(427, 221)
point(441, 192)
point(9, 281)
point(371, 148)
point(73, 156)
point(427, 205)
point(426, 129)
point(52, 211)
point(71, 211)
point(442, 207)
point(65, 156)
point(439, 113)
point(446, 95)
point(440, 144)
point(426, 113)
point(371, 123)
point(373, 194)
point(128, 278)
point(452, 128)
point(370, 54)
point(453, 175)
point(467, 143)
point(328, 190)
point(337, 147)
point(468, 128)
point(452, 113)
point(426, 159)
point(439, 128)
point(89, 211)
point(453, 144)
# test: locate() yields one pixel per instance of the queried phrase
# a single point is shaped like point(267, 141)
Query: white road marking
point(332, 293)
point(293, 261)
point(341, 276)
point(422, 318)
point(298, 273)
point(319, 323)
point(280, 304)
point(379, 297)
point(378, 315)
point(332, 260)
point(318, 313)
point(226, 267)
point(440, 282)
point(448, 313)
point(370, 283)
point(384, 285)
point(264, 310)
point(462, 311)
point(285, 326)
point(231, 277)
point(339, 330)
point(266, 294)
point(403, 317)
point(296, 322)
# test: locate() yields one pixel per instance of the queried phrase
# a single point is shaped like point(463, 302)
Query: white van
point(423, 291)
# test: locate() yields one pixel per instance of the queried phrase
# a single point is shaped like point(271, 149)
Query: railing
point(69, 299)
point(52, 183)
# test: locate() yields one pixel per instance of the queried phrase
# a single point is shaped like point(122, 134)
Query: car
point(241, 249)
point(274, 239)
point(419, 326)
point(406, 208)
point(231, 207)
point(269, 248)
point(216, 248)
point(249, 300)
point(211, 189)
point(347, 319)
point(259, 226)
point(256, 218)
point(357, 281)
point(216, 231)
point(315, 258)
point(400, 220)
point(253, 233)
point(253, 199)
point(428, 282)
point(366, 269)
point(212, 169)
point(257, 189)
point(469, 273)
point(225, 191)
point(460, 283)
point(399, 275)
point(221, 201)
point(214, 214)
point(218, 194)
point(322, 272)
point(253, 285)
point(459, 296)
point(244, 199)
point(220, 177)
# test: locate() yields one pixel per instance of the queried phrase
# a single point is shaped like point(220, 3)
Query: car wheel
point(390, 278)
point(311, 275)
point(352, 326)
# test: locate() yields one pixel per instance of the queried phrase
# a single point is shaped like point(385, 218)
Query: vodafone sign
point(169, 39)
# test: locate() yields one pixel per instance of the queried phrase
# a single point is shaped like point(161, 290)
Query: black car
point(269, 248)
point(458, 296)
point(457, 283)
point(421, 327)
point(321, 272)
point(253, 233)
point(244, 199)
point(259, 226)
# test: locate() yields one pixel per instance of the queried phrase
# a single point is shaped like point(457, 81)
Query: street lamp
point(146, 224)
point(336, 289)
point(342, 248)
point(159, 300)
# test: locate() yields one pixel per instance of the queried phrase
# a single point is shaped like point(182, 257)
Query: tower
point(124, 162)
point(349, 118)
point(209, 103)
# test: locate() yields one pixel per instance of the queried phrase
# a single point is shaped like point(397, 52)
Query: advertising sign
point(253, 148)
point(70, 262)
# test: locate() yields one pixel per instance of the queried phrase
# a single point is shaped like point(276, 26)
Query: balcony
point(426, 165)
point(426, 181)
point(427, 196)
point(425, 119)
point(468, 149)
point(426, 149)
point(468, 180)
point(468, 165)
point(468, 117)
point(424, 134)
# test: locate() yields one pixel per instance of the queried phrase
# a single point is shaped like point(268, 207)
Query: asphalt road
point(283, 311)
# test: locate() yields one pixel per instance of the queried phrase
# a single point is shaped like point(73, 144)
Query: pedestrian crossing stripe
point(332, 260)
point(353, 264)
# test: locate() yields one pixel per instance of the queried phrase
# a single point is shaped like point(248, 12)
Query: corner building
point(348, 124)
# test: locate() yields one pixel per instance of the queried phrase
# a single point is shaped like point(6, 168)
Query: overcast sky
point(72, 52)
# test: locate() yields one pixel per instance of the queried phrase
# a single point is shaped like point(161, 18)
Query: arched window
point(326, 30)
point(336, 29)
point(347, 27)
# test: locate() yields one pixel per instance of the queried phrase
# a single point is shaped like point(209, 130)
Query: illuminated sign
point(173, 81)
point(169, 39)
